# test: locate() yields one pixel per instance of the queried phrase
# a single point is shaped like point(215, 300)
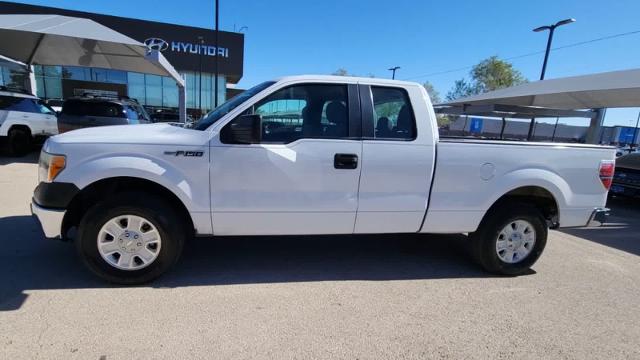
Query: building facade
point(190, 50)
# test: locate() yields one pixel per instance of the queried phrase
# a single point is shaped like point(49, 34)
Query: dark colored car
point(81, 112)
point(626, 180)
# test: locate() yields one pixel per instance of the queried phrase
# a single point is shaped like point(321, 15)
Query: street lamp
point(551, 29)
point(393, 69)
point(215, 89)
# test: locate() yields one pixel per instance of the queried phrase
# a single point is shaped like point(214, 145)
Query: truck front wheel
point(510, 239)
point(130, 240)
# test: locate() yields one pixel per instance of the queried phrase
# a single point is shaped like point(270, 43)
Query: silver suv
point(88, 111)
point(24, 119)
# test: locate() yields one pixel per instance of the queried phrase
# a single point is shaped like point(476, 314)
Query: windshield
point(222, 110)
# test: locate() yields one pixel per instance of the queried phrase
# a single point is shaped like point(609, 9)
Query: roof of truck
point(347, 79)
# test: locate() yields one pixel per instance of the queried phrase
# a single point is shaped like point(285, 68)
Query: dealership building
point(190, 50)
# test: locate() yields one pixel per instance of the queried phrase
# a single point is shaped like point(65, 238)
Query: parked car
point(626, 180)
point(24, 119)
point(90, 111)
point(310, 155)
point(169, 115)
point(55, 104)
point(626, 150)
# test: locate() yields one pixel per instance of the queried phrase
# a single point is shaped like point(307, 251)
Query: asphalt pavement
point(338, 297)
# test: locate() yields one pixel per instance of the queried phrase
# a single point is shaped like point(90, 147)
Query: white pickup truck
point(310, 155)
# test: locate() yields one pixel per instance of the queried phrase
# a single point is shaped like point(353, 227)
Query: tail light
point(607, 168)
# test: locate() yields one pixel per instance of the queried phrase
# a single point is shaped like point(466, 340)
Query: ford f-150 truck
point(310, 155)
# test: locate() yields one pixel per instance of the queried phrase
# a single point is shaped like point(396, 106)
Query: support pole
point(182, 103)
point(635, 133)
point(595, 126)
point(32, 81)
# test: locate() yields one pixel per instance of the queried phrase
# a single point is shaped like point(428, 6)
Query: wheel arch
point(103, 188)
point(538, 196)
point(20, 127)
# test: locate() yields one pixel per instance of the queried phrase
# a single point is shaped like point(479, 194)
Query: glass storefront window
point(193, 90)
point(190, 79)
point(150, 90)
point(52, 71)
point(169, 92)
point(76, 73)
point(117, 76)
point(99, 75)
point(154, 89)
point(136, 87)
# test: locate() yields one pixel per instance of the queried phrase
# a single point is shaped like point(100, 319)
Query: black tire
point(18, 141)
point(484, 240)
point(165, 219)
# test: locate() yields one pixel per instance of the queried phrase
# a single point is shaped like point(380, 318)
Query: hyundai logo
point(156, 44)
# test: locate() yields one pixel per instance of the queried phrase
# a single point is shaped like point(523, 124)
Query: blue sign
point(626, 135)
point(475, 127)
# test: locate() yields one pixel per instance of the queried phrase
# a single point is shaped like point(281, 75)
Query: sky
point(435, 41)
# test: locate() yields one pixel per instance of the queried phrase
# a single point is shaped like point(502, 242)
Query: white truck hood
point(147, 134)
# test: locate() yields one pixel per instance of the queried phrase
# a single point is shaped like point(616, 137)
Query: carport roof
point(64, 40)
point(603, 90)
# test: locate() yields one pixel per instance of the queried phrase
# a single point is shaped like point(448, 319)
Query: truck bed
point(471, 174)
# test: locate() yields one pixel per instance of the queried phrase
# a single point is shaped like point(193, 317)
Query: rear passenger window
point(105, 110)
point(393, 116)
point(18, 104)
point(74, 107)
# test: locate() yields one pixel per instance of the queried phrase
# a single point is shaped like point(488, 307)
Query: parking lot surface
point(368, 297)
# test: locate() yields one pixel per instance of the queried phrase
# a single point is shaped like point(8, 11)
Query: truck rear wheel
point(510, 239)
point(18, 141)
point(130, 240)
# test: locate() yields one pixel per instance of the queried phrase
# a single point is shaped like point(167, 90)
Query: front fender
point(88, 171)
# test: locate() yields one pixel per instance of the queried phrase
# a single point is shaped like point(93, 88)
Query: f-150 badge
point(185, 153)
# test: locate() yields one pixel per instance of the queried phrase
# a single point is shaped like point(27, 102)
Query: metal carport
point(596, 91)
point(71, 41)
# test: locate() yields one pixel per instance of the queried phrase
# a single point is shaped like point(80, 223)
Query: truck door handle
point(345, 161)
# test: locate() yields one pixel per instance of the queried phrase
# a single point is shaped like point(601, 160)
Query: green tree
point(488, 75)
point(493, 73)
point(433, 93)
point(340, 72)
point(461, 88)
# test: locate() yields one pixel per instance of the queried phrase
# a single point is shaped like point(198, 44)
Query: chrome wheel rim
point(515, 241)
point(129, 242)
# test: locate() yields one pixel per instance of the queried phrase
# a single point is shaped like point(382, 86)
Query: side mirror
point(245, 129)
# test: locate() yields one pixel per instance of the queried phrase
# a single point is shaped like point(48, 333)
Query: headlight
point(50, 166)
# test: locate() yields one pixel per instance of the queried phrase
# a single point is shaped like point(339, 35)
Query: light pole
point(215, 90)
point(201, 41)
point(393, 70)
point(553, 137)
point(552, 29)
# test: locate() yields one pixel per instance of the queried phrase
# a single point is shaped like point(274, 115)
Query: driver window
point(304, 111)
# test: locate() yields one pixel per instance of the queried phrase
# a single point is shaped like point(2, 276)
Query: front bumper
point(598, 217)
point(50, 220)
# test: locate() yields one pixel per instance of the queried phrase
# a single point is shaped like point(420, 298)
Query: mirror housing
point(245, 129)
